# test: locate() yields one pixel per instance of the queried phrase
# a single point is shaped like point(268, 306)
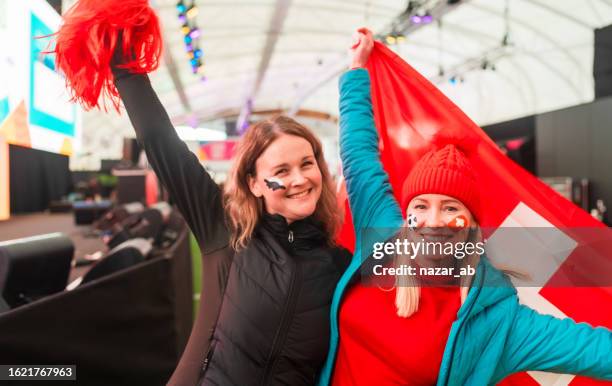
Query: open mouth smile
point(436, 237)
point(301, 194)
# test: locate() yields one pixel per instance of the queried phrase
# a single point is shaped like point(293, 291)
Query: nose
point(298, 178)
point(433, 218)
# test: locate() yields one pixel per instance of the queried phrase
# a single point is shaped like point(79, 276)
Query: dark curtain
point(36, 178)
point(525, 155)
point(602, 62)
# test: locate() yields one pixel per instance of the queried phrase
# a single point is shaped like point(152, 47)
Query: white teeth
point(299, 195)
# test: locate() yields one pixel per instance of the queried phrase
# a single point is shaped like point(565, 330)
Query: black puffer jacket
point(273, 326)
point(266, 308)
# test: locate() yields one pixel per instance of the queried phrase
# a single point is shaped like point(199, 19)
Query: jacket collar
point(301, 234)
point(490, 287)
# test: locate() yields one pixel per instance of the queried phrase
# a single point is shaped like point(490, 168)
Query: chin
point(300, 213)
point(432, 261)
point(304, 212)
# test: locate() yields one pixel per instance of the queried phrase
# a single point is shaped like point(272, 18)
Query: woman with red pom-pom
point(269, 260)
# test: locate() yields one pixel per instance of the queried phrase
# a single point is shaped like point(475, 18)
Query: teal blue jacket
point(493, 335)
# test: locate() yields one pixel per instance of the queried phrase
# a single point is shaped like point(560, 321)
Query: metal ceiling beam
point(242, 32)
point(546, 37)
point(298, 51)
point(499, 53)
point(216, 112)
point(276, 27)
point(400, 24)
point(379, 10)
point(473, 63)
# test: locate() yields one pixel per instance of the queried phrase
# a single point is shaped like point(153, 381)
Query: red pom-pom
point(86, 43)
point(465, 141)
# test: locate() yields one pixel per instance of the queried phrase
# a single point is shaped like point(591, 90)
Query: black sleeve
point(197, 196)
point(343, 258)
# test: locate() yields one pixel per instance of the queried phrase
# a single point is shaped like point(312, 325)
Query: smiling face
point(437, 210)
point(435, 216)
point(288, 162)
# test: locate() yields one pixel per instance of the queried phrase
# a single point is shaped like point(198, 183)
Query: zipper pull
point(290, 238)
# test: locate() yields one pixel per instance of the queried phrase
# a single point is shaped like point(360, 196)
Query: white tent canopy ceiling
point(497, 59)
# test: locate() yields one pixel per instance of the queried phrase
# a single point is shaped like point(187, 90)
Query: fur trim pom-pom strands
point(86, 43)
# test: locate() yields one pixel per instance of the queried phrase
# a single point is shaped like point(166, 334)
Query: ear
point(254, 186)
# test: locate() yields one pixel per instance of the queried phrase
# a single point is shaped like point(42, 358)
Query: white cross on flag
point(412, 116)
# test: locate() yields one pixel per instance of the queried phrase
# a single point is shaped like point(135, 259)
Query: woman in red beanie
point(447, 318)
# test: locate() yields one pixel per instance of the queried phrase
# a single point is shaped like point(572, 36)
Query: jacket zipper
point(452, 352)
point(279, 340)
point(290, 237)
point(207, 358)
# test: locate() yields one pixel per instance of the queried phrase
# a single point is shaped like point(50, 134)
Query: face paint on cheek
point(411, 221)
point(459, 222)
point(274, 184)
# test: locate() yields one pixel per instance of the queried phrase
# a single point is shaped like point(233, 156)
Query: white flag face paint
point(274, 183)
point(411, 221)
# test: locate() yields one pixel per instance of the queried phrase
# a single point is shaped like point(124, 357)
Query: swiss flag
point(412, 116)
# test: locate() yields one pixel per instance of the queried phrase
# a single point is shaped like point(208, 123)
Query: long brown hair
point(245, 209)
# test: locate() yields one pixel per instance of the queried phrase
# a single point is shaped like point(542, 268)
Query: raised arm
point(544, 343)
point(197, 196)
point(370, 194)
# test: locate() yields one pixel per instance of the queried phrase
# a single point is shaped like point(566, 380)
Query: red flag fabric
point(412, 116)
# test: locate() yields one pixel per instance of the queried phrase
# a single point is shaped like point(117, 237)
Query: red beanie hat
point(446, 171)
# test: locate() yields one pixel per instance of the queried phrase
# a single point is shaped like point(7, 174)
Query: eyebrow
point(452, 201)
point(286, 164)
